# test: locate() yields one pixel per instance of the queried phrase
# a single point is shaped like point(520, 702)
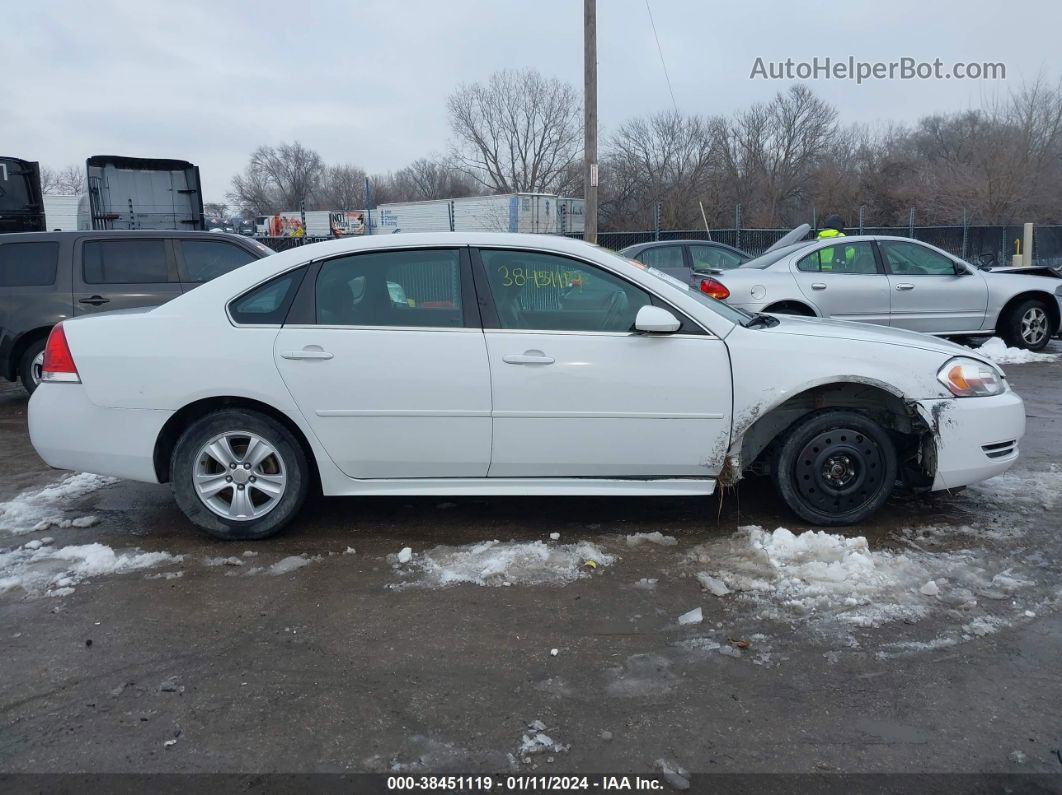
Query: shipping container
point(318, 223)
point(60, 213)
point(141, 193)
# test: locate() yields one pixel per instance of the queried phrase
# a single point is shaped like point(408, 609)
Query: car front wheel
point(1028, 325)
point(835, 467)
point(239, 474)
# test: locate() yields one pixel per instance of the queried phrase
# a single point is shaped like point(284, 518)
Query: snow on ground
point(655, 537)
point(834, 582)
point(38, 569)
point(494, 563)
point(39, 509)
point(1020, 491)
point(997, 350)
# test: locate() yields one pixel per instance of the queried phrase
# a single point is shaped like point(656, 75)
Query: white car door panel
point(843, 281)
point(391, 379)
point(585, 405)
point(576, 393)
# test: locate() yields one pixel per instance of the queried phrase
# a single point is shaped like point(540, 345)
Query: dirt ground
point(355, 662)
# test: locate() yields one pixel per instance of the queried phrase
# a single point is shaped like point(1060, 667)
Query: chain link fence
point(981, 245)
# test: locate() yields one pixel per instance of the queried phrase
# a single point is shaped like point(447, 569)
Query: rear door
point(112, 273)
point(200, 260)
point(845, 281)
point(930, 291)
point(670, 259)
point(390, 370)
point(705, 257)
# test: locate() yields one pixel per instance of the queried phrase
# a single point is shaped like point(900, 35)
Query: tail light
point(714, 288)
point(58, 362)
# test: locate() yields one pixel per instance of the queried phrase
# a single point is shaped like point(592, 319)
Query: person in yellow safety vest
point(300, 231)
point(833, 226)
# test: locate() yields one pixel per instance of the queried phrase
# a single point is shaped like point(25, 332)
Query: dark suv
point(46, 277)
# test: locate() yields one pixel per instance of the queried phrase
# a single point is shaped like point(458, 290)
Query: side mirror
point(962, 270)
point(656, 320)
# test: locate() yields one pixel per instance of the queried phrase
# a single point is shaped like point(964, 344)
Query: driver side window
point(547, 292)
point(911, 259)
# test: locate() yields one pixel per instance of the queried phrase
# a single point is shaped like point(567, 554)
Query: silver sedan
point(896, 281)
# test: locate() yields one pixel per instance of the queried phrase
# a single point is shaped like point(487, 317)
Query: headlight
point(971, 378)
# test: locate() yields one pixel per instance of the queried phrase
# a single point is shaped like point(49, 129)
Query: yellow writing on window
point(523, 277)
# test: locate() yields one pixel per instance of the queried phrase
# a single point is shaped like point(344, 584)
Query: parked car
point(490, 373)
point(899, 282)
point(46, 277)
point(684, 258)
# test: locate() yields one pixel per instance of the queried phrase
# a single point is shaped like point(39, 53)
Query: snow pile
point(494, 563)
point(536, 741)
point(825, 577)
point(655, 537)
point(42, 508)
point(53, 571)
point(997, 350)
point(1020, 491)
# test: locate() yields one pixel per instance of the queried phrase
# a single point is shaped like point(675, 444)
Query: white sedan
point(497, 364)
point(898, 282)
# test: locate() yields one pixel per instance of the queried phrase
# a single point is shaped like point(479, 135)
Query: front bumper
point(976, 438)
point(71, 432)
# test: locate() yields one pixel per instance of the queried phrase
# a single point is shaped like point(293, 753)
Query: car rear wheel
point(29, 369)
point(1028, 325)
point(239, 474)
point(835, 467)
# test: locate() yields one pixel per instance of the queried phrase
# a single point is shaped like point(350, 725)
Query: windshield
point(733, 314)
point(771, 257)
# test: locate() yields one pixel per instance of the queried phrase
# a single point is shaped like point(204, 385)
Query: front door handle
point(95, 300)
point(818, 286)
point(306, 353)
point(528, 357)
point(904, 286)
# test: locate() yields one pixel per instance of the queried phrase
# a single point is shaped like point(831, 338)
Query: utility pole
point(590, 119)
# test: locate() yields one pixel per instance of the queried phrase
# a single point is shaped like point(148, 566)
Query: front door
point(112, 273)
point(577, 393)
point(392, 374)
point(930, 291)
point(845, 282)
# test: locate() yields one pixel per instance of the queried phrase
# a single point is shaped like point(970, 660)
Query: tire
point(1028, 325)
point(229, 433)
point(835, 467)
point(29, 366)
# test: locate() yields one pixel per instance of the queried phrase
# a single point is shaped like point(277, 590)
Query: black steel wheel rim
point(839, 470)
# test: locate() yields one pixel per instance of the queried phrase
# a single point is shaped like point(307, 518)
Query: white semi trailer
point(541, 213)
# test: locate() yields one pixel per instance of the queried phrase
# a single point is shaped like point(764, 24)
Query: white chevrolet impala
point(496, 364)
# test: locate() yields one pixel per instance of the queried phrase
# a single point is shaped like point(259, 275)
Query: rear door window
point(141, 261)
point(28, 264)
point(203, 260)
point(267, 304)
point(663, 257)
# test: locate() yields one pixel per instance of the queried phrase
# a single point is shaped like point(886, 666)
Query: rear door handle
point(306, 353)
point(528, 357)
point(95, 300)
point(904, 286)
point(818, 286)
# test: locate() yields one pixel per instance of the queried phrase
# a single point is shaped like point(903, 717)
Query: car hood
point(867, 332)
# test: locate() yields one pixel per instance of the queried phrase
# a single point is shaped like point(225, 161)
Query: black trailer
point(21, 202)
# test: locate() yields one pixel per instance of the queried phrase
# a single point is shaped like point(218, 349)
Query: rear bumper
point(70, 432)
point(977, 438)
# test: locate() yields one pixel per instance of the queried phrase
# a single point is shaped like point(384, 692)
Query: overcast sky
point(366, 81)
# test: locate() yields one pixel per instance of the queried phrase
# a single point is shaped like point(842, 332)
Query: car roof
point(685, 241)
point(24, 237)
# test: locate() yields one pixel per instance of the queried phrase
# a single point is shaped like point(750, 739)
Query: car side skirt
point(526, 487)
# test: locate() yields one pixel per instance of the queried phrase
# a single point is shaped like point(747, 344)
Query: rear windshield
point(28, 264)
point(771, 257)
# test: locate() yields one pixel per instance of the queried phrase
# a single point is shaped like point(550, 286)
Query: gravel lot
point(932, 646)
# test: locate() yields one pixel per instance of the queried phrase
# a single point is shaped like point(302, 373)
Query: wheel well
point(19, 348)
point(1049, 300)
point(183, 418)
point(915, 447)
point(792, 307)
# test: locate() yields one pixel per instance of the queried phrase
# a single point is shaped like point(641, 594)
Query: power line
point(661, 51)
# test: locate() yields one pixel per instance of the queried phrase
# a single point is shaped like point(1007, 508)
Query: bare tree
point(518, 132)
point(342, 188)
point(68, 181)
point(278, 178)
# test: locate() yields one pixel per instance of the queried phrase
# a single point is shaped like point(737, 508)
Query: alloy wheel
point(36, 368)
point(239, 475)
point(1034, 325)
